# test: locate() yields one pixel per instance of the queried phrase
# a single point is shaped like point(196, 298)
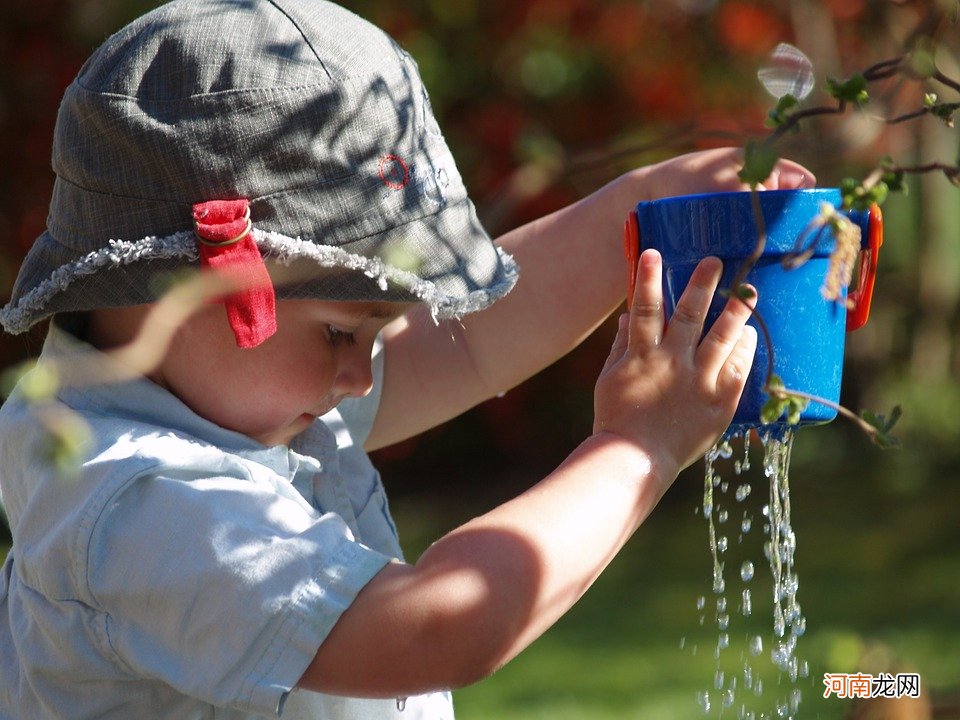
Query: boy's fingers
point(735, 369)
point(723, 335)
point(646, 306)
point(619, 342)
point(686, 325)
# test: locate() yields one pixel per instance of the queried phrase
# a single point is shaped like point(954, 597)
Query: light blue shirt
point(187, 571)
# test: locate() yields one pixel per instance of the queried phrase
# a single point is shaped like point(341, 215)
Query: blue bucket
point(807, 331)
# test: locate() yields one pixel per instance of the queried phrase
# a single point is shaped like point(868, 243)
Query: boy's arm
point(486, 590)
point(572, 276)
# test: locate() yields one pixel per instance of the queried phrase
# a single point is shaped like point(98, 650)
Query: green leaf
point(778, 116)
point(37, 382)
point(67, 442)
point(895, 181)
point(882, 426)
point(853, 90)
point(758, 163)
point(772, 410)
point(857, 197)
point(945, 112)
point(781, 404)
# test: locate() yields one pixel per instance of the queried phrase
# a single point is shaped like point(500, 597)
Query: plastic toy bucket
point(807, 331)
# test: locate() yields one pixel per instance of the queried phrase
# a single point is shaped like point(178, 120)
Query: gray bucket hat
point(313, 115)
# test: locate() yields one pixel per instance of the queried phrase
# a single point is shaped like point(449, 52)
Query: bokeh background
point(543, 101)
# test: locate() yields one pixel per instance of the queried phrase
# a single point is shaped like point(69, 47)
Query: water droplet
point(703, 700)
point(787, 72)
point(719, 585)
point(756, 645)
point(743, 492)
point(765, 511)
point(683, 642)
point(722, 544)
point(718, 679)
point(800, 626)
point(724, 451)
point(721, 604)
point(779, 623)
point(723, 641)
point(722, 516)
point(701, 602)
point(747, 605)
point(746, 524)
point(795, 697)
point(746, 571)
point(728, 697)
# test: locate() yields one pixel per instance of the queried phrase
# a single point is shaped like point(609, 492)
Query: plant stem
point(794, 119)
point(950, 83)
point(784, 393)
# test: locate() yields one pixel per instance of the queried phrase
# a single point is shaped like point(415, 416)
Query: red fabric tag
point(252, 311)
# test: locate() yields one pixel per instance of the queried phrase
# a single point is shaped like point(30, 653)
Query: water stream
point(729, 513)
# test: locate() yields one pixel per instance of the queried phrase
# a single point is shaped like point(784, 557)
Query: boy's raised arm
point(486, 590)
point(572, 276)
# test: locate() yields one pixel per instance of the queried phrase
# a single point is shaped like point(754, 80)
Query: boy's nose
point(355, 374)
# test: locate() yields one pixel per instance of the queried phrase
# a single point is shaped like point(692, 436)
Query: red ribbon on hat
point(223, 228)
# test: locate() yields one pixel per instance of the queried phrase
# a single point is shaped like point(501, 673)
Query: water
point(721, 496)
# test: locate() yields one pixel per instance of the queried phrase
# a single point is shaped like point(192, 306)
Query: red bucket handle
point(631, 250)
point(860, 297)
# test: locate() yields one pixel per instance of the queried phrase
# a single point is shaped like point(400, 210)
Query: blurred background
point(543, 101)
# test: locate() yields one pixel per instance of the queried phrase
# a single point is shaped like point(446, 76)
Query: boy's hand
point(669, 391)
point(716, 171)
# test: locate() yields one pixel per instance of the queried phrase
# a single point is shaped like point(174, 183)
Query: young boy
point(225, 549)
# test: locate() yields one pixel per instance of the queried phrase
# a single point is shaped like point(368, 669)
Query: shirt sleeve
point(359, 413)
point(220, 587)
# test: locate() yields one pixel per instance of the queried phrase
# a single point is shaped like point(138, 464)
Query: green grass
point(878, 585)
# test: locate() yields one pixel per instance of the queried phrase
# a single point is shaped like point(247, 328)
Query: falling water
point(788, 623)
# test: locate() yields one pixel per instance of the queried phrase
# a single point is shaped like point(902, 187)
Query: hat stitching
point(345, 81)
point(304, 36)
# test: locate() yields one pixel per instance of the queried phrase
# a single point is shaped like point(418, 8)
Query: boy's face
point(319, 355)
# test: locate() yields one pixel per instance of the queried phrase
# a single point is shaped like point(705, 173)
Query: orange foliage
point(747, 28)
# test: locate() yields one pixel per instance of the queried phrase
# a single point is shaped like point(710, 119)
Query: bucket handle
point(631, 250)
point(859, 299)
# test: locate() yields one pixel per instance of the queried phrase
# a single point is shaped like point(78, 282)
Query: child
point(225, 549)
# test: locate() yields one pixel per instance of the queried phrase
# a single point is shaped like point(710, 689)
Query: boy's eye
point(337, 336)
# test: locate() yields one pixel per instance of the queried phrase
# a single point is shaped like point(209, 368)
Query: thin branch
point(794, 119)
point(950, 83)
point(785, 393)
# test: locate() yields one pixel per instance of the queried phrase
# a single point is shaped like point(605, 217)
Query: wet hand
point(673, 390)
